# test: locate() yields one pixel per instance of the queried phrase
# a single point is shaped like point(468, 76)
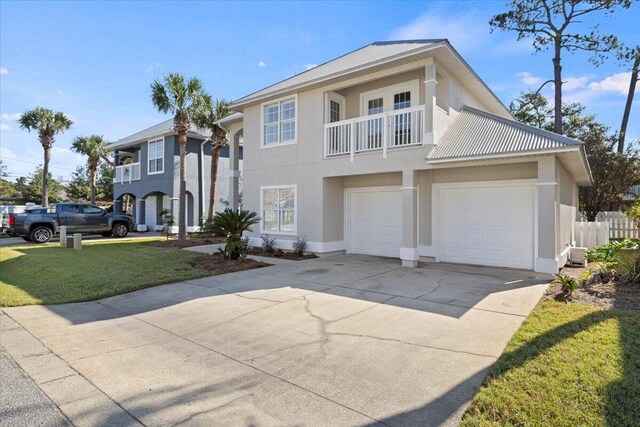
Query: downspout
point(202, 189)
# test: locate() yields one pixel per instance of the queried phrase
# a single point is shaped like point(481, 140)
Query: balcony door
point(384, 100)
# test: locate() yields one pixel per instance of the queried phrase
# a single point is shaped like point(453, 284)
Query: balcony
point(127, 173)
point(376, 132)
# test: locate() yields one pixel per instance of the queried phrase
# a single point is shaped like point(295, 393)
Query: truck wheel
point(41, 234)
point(26, 238)
point(120, 230)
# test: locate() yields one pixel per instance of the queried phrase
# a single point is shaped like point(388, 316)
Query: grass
point(49, 275)
point(568, 365)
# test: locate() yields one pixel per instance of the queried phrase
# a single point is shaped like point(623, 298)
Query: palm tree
point(183, 100)
point(48, 123)
point(94, 147)
point(212, 111)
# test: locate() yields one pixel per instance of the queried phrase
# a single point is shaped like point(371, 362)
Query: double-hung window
point(156, 156)
point(278, 206)
point(279, 122)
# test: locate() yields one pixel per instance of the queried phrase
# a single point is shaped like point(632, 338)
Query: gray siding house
point(148, 170)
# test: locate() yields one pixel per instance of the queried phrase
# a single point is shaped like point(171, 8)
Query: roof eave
point(249, 99)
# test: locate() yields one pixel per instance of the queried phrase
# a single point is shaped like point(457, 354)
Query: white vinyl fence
point(591, 234)
point(620, 226)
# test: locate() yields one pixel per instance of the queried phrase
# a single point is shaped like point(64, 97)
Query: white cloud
point(466, 32)
point(152, 67)
point(618, 82)
point(10, 117)
point(528, 79)
point(4, 127)
point(4, 71)
point(573, 83)
point(310, 66)
point(262, 64)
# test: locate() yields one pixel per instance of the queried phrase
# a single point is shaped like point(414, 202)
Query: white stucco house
point(399, 149)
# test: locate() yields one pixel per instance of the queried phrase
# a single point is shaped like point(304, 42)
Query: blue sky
point(95, 60)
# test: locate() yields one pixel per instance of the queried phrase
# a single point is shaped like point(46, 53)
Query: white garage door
point(375, 222)
point(150, 212)
point(491, 225)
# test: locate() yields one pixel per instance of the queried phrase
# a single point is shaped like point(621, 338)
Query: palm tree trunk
point(45, 176)
point(93, 172)
point(627, 107)
point(557, 80)
point(215, 160)
point(182, 210)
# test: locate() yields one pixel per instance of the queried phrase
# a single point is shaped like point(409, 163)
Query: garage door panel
point(375, 219)
point(490, 225)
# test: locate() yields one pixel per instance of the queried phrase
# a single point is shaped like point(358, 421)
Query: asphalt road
point(22, 403)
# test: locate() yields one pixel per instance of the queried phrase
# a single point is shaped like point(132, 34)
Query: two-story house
point(148, 170)
point(399, 149)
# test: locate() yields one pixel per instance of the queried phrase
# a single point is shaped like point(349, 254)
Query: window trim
point(274, 101)
point(336, 97)
point(149, 158)
point(295, 210)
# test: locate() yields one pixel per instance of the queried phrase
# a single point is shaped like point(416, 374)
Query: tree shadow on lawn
point(622, 406)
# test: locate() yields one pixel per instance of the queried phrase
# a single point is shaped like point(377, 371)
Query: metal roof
point(365, 56)
point(161, 129)
point(476, 133)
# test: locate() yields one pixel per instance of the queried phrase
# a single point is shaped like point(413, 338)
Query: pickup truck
point(39, 225)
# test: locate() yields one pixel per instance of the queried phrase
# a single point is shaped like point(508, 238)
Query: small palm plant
point(48, 123)
point(231, 224)
point(94, 147)
point(568, 284)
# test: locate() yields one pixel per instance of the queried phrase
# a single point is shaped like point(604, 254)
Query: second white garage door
point(486, 225)
point(374, 221)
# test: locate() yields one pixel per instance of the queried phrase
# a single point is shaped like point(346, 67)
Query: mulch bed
point(191, 241)
point(216, 263)
point(603, 295)
point(278, 253)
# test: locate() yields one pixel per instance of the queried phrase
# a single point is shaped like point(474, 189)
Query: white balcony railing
point(127, 173)
point(399, 128)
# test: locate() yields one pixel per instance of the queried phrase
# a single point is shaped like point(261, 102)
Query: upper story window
point(279, 122)
point(156, 157)
point(401, 100)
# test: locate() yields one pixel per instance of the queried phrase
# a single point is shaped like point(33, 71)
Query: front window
point(334, 111)
point(156, 156)
point(279, 122)
point(279, 210)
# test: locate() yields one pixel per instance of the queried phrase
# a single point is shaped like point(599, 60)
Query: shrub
point(567, 284)
point(617, 259)
point(268, 244)
point(231, 224)
point(300, 245)
point(633, 213)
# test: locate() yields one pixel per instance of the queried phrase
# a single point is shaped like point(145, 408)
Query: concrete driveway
point(346, 340)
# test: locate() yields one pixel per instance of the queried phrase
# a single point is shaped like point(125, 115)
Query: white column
point(234, 170)
point(429, 101)
point(409, 251)
point(546, 260)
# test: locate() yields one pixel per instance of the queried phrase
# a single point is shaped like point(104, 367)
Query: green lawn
point(49, 275)
point(568, 365)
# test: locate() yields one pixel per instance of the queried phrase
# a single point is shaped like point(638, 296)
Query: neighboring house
point(148, 171)
point(399, 149)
